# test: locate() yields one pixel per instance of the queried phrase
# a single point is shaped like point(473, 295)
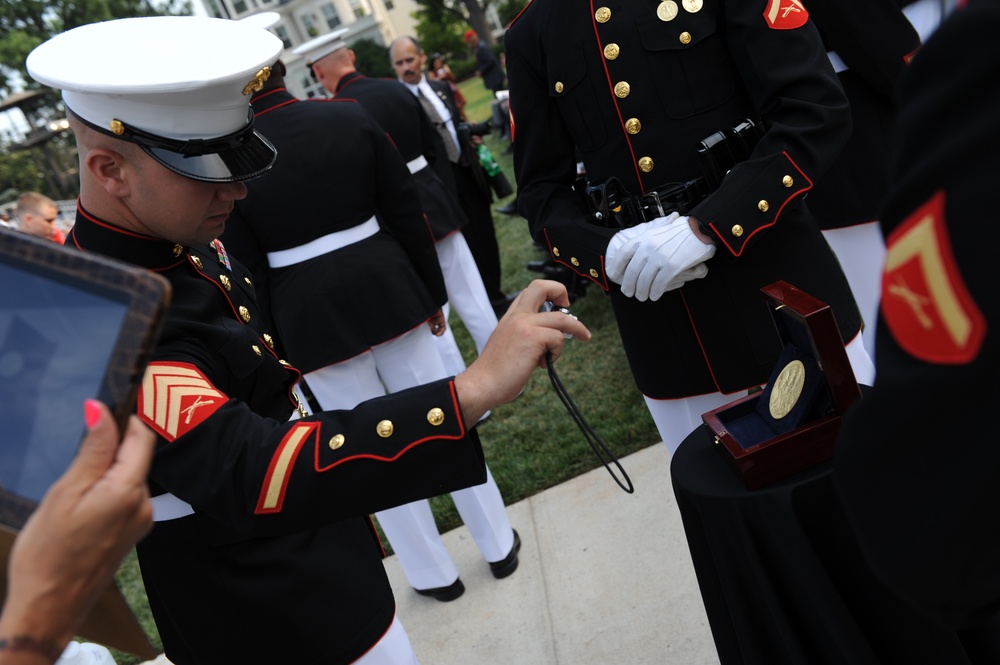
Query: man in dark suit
point(633, 88)
point(408, 60)
point(915, 467)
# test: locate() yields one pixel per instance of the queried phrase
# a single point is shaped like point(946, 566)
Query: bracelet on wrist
point(46, 648)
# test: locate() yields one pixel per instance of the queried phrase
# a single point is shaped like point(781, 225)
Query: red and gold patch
point(272, 493)
point(175, 398)
point(925, 302)
point(785, 14)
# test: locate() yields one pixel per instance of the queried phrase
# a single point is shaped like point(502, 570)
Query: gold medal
point(787, 389)
point(692, 5)
point(667, 10)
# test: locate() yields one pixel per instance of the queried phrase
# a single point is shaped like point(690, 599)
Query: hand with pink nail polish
point(73, 543)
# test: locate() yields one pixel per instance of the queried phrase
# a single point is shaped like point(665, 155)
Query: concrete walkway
point(605, 577)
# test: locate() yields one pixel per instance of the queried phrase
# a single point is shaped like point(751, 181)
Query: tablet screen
point(56, 341)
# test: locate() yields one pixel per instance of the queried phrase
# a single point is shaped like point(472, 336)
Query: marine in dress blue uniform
point(316, 143)
point(414, 135)
point(916, 464)
point(262, 551)
point(633, 87)
point(869, 47)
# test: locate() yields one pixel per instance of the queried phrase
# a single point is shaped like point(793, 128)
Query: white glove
point(615, 260)
point(656, 260)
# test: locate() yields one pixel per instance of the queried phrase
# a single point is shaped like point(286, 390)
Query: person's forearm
point(27, 639)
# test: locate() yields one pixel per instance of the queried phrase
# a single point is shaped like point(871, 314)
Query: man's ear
point(108, 169)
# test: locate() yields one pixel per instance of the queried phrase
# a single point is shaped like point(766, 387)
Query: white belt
point(169, 507)
point(320, 246)
point(417, 164)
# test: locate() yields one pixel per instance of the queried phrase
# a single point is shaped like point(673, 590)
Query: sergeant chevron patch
point(175, 398)
point(785, 14)
point(925, 302)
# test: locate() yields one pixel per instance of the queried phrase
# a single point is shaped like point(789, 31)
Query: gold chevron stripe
point(163, 388)
point(920, 242)
point(281, 467)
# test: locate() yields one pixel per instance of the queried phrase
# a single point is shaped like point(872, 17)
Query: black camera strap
point(593, 438)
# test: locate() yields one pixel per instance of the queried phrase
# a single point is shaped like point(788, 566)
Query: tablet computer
point(73, 325)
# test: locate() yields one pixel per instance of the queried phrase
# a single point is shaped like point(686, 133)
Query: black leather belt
point(613, 206)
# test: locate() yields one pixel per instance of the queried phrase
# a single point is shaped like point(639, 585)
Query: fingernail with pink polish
point(91, 412)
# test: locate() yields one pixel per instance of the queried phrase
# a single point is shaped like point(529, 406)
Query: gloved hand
point(614, 260)
point(656, 257)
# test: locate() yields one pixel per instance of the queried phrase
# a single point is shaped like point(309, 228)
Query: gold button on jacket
point(385, 429)
point(435, 417)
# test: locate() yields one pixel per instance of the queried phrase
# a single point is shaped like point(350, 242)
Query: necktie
point(449, 143)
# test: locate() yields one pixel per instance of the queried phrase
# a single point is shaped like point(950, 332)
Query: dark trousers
point(480, 232)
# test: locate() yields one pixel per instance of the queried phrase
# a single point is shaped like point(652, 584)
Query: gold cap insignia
point(117, 127)
point(258, 81)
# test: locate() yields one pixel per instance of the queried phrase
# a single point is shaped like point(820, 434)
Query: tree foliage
point(372, 59)
point(458, 13)
point(24, 24)
point(508, 10)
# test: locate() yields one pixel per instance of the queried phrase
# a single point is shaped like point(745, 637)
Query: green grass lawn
point(532, 443)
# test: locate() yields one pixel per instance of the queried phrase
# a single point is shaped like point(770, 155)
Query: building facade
point(301, 20)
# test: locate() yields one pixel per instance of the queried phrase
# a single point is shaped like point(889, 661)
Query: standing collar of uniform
point(347, 79)
point(92, 234)
point(271, 100)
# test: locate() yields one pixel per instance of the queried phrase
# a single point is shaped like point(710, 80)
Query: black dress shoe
point(501, 306)
point(445, 593)
point(509, 209)
point(508, 564)
point(538, 266)
point(558, 273)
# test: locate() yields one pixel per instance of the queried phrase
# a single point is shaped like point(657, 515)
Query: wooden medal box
point(793, 422)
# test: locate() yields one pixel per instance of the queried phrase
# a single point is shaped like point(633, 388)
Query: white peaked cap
point(322, 46)
point(178, 86)
point(262, 20)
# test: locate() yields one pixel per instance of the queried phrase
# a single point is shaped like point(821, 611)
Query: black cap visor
point(242, 155)
point(249, 157)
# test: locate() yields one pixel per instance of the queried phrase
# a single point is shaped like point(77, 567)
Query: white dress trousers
point(411, 360)
point(466, 292)
point(861, 252)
